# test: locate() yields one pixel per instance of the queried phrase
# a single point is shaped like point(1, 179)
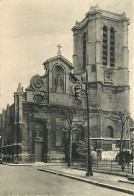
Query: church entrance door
point(40, 142)
point(38, 151)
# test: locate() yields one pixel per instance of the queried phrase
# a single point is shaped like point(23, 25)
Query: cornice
point(80, 25)
point(106, 85)
point(99, 15)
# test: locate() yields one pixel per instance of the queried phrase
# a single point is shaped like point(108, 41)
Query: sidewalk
point(118, 183)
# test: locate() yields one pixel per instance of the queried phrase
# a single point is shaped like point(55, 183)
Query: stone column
point(20, 122)
point(89, 44)
point(98, 48)
point(16, 114)
point(75, 55)
point(98, 40)
point(15, 117)
point(125, 43)
point(8, 114)
point(116, 48)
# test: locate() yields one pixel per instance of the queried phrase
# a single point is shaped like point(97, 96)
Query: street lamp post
point(132, 146)
point(76, 98)
point(132, 130)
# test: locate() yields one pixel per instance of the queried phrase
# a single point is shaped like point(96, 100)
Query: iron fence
point(104, 165)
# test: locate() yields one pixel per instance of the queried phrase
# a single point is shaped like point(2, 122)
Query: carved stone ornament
point(38, 98)
point(108, 76)
point(77, 87)
point(37, 81)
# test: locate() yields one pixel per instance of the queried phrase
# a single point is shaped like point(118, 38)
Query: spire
point(59, 47)
point(123, 15)
point(19, 89)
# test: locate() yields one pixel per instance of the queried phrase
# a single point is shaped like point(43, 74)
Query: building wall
point(40, 107)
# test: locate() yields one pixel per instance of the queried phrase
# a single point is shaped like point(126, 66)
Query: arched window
point(109, 132)
point(84, 51)
point(112, 46)
point(105, 42)
point(58, 79)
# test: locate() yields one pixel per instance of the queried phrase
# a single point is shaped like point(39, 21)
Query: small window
point(109, 132)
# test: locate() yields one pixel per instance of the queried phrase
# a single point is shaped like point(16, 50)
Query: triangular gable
point(59, 57)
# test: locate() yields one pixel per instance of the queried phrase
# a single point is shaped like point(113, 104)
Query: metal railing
point(104, 165)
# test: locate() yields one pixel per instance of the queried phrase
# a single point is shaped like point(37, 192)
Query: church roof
point(59, 57)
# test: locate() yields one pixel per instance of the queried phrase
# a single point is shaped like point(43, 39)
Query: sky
point(30, 31)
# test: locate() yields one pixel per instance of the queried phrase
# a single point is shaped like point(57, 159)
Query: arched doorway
point(40, 138)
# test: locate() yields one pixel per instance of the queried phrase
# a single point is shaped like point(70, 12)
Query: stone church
point(35, 127)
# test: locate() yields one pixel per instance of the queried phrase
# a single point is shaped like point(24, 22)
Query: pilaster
point(75, 55)
point(125, 43)
point(116, 48)
point(15, 117)
point(89, 43)
point(98, 40)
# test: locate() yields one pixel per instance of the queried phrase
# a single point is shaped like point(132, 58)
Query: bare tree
point(123, 118)
point(68, 115)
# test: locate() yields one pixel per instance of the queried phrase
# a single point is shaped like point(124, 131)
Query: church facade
point(35, 127)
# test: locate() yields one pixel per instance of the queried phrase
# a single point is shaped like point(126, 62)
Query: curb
point(104, 172)
point(126, 181)
point(89, 181)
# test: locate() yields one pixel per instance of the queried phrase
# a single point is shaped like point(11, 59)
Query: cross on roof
point(59, 47)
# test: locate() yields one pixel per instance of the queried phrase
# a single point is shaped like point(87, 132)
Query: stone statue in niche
point(38, 132)
point(59, 83)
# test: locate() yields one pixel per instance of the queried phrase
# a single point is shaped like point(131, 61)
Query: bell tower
point(100, 47)
point(101, 38)
point(100, 52)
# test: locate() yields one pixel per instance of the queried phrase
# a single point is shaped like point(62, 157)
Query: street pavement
point(114, 182)
point(29, 181)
